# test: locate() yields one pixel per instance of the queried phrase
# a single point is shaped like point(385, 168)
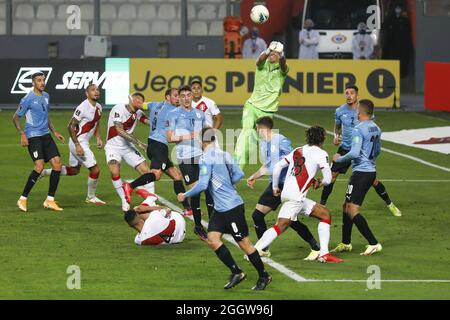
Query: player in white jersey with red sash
point(213, 117)
point(122, 144)
point(155, 225)
point(303, 164)
point(84, 124)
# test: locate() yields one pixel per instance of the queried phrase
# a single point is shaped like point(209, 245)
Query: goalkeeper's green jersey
point(269, 80)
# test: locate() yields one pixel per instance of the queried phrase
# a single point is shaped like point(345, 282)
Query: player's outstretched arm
point(354, 151)
point(262, 171)
point(218, 120)
point(263, 57)
point(58, 135)
point(129, 137)
point(23, 137)
point(98, 136)
point(72, 127)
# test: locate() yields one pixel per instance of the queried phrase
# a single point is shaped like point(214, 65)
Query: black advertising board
point(66, 78)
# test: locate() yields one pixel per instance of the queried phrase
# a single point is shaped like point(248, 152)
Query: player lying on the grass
point(273, 148)
point(346, 118)
point(184, 127)
point(303, 164)
point(219, 173)
point(157, 148)
point(155, 225)
point(35, 107)
point(365, 148)
point(84, 124)
point(271, 72)
point(121, 143)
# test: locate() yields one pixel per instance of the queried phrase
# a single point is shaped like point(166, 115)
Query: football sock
point(209, 203)
point(178, 187)
point(196, 212)
point(143, 179)
point(32, 178)
point(326, 193)
point(363, 227)
point(303, 231)
point(117, 183)
point(268, 238)
point(92, 184)
point(225, 256)
point(67, 171)
point(260, 223)
point(256, 261)
point(324, 235)
point(47, 172)
point(347, 225)
point(381, 190)
point(54, 181)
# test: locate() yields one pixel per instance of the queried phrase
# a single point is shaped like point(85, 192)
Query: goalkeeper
point(271, 71)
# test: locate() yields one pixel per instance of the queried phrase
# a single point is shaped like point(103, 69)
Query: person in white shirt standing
point(303, 164)
point(84, 124)
point(213, 117)
point(362, 43)
point(309, 40)
point(254, 45)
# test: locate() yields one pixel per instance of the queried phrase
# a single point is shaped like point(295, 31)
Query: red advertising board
point(437, 88)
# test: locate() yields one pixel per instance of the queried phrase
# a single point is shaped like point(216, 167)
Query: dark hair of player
point(208, 134)
point(130, 217)
point(196, 81)
point(169, 92)
point(265, 121)
point(37, 74)
point(315, 136)
point(138, 94)
point(185, 88)
point(89, 86)
point(366, 106)
point(351, 86)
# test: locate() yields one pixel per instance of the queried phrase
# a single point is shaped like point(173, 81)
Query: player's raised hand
point(59, 136)
point(273, 45)
point(23, 140)
point(181, 197)
point(79, 149)
point(336, 156)
point(251, 182)
point(279, 48)
point(99, 143)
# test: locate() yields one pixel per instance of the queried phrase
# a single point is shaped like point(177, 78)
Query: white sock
point(63, 171)
point(324, 236)
point(150, 187)
point(266, 239)
point(118, 186)
point(47, 172)
point(92, 187)
point(50, 198)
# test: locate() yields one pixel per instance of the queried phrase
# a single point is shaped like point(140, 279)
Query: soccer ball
point(259, 14)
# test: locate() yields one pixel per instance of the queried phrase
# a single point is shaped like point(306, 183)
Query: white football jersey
point(161, 229)
point(209, 107)
point(120, 113)
point(304, 162)
point(88, 116)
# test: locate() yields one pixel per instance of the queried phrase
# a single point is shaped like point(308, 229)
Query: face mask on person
point(309, 28)
point(362, 31)
point(254, 34)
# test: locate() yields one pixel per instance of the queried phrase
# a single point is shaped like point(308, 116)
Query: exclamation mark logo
point(380, 84)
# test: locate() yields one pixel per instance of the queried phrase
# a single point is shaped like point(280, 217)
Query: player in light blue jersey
point(273, 148)
point(219, 173)
point(36, 136)
point(157, 148)
point(364, 150)
point(185, 124)
point(346, 118)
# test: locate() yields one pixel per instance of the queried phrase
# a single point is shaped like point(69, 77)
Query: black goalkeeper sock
point(178, 187)
point(381, 190)
point(143, 180)
point(196, 212)
point(326, 193)
point(54, 181)
point(363, 227)
point(225, 256)
point(32, 178)
point(347, 225)
point(305, 234)
point(209, 203)
point(256, 261)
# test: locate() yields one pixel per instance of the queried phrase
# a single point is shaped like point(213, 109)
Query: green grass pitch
point(37, 247)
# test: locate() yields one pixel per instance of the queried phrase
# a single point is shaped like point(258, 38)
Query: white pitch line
point(384, 149)
point(281, 268)
point(381, 280)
